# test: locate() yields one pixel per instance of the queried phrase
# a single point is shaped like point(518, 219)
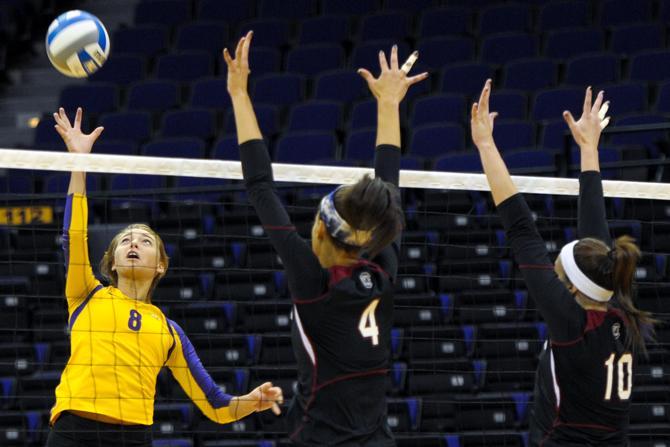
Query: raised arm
point(389, 90)
point(306, 278)
point(196, 382)
point(592, 220)
point(558, 307)
point(80, 281)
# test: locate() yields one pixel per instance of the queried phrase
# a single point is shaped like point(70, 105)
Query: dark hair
point(371, 204)
point(107, 261)
point(614, 269)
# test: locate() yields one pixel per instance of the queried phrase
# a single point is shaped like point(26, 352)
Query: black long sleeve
point(306, 278)
point(564, 317)
point(592, 220)
point(387, 167)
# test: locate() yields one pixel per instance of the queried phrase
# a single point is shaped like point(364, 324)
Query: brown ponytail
point(615, 270)
point(371, 204)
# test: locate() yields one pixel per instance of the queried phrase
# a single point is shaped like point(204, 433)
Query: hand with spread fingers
point(393, 82)
point(238, 68)
point(75, 140)
point(481, 120)
point(587, 130)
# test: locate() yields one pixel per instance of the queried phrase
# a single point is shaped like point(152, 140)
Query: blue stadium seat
point(305, 147)
point(153, 96)
point(118, 147)
point(263, 61)
point(437, 52)
point(509, 104)
point(506, 47)
point(553, 133)
point(650, 66)
point(46, 137)
point(230, 11)
point(136, 182)
point(204, 35)
point(324, 29)
point(530, 74)
point(593, 69)
point(461, 162)
point(162, 12)
point(568, 43)
point(621, 12)
point(663, 99)
point(184, 67)
point(133, 126)
point(393, 25)
point(360, 145)
point(181, 147)
point(58, 183)
point(267, 116)
point(319, 115)
point(517, 18)
point(92, 98)
point(649, 138)
point(17, 182)
point(535, 159)
point(295, 9)
point(121, 69)
point(366, 54)
point(144, 40)
point(310, 60)
point(436, 109)
point(564, 14)
point(550, 104)
point(281, 89)
point(267, 32)
point(443, 21)
point(188, 123)
point(340, 85)
point(435, 140)
point(226, 149)
point(414, 6)
point(349, 7)
point(210, 94)
point(466, 78)
point(514, 135)
point(629, 39)
point(363, 115)
point(626, 97)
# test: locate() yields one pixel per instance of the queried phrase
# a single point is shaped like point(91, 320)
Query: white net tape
point(117, 164)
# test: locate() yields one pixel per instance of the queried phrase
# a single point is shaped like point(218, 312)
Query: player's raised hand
point(75, 140)
point(238, 68)
point(393, 82)
point(594, 119)
point(481, 120)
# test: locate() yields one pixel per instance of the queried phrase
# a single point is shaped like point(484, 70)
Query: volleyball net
point(466, 334)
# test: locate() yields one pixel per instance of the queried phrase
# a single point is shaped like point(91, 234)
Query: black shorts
point(70, 430)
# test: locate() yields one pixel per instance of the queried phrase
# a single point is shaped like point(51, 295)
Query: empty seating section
point(466, 339)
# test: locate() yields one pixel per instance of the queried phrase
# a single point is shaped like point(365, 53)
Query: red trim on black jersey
point(594, 319)
point(374, 372)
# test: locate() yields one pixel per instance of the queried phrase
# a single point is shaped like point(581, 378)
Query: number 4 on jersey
point(368, 323)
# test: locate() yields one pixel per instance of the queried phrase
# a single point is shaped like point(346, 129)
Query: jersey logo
point(366, 280)
point(616, 330)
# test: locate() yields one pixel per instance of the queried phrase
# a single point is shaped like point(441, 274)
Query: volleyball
point(77, 44)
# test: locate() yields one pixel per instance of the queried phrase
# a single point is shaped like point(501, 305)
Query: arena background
point(467, 334)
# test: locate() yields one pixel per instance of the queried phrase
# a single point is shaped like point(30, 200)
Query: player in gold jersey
point(119, 340)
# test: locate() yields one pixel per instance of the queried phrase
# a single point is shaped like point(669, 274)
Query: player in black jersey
point(342, 302)
point(584, 378)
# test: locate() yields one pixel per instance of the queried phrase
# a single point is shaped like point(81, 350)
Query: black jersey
point(342, 320)
point(584, 378)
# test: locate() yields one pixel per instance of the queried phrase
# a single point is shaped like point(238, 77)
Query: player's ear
point(160, 269)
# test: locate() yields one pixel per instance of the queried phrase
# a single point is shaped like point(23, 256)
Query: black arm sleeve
point(564, 317)
point(306, 279)
point(592, 217)
point(387, 167)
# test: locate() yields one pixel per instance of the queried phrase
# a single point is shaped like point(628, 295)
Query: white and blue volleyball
point(77, 44)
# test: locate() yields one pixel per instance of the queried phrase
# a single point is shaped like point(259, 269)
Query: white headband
point(579, 279)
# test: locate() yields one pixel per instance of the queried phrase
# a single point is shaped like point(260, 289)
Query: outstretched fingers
point(418, 78)
point(587, 101)
point(598, 103)
point(383, 64)
point(483, 104)
point(227, 58)
point(77, 119)
point(245, 48)
point(394, 57)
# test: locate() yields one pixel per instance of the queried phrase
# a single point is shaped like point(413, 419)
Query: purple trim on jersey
point(67, 219)
point(78, 310)
point(215, 397)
